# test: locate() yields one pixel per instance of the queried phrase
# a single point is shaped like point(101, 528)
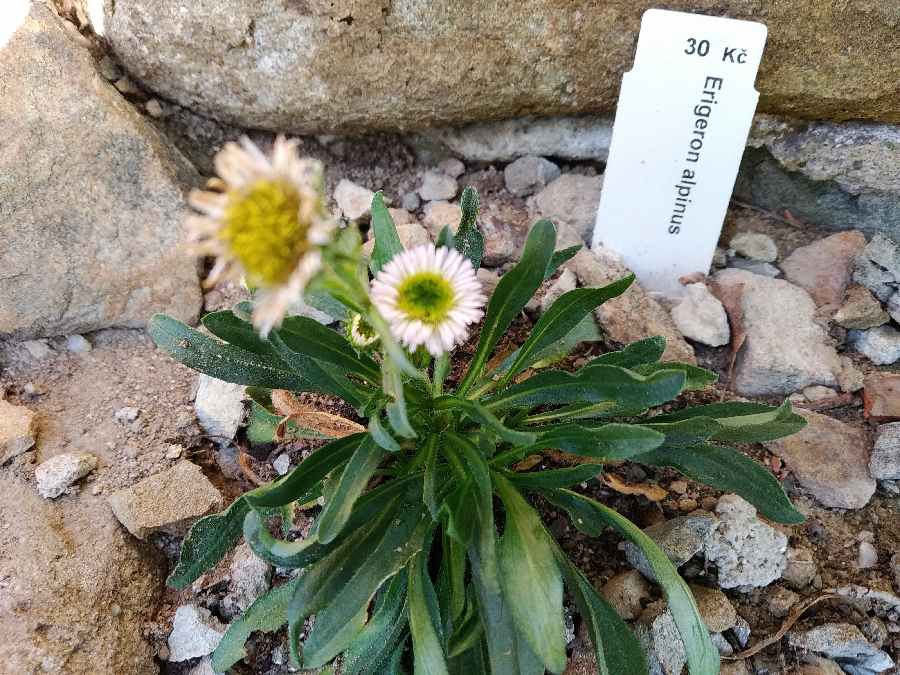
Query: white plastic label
point(681, 125)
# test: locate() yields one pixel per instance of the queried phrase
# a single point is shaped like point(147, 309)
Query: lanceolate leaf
point(511, 295)
point(728, 470)
point(326, 378)
point(554, 478)
point(268, 613)
point(225, 325)
point(307, 474)
point(702, 656)
point(376, 643)
point(357, 473)
point(424, 621)
point(468, 239)
point(530, 578)
point(695, 377)
point(559, 258)
point(562, 316)
point(744, 422)
point(332, 633)
point(591, 385)
point(611, 441)
point(208, 541)
point(617, 650)
point(648, 350)
point(478, 413)
point(308, 337)
point(221, 360)
point(387, 241)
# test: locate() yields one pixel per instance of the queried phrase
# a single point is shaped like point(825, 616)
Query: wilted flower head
point(267, 223)
point(429, 296)
point(359, 332)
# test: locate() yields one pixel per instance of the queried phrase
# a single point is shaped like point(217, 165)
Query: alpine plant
point(428, 554)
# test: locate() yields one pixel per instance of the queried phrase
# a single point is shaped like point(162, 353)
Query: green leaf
point(648, 350)
point(468, 239)
point(695, 377)
point(559, 258)
point(476, 468)
point(478, 413)
point(303, 552)
point(387, 241)
point(532, 585)
point(350, 575)
point(500, 634)
point(306, 475)
point(591, 385)
point(384, 632)
point(617, 650)
point(268, 613)
point(560, 318)
point(744, 422)
point(323, 301)
point(356, 476)
point(459, 512)
point(227, 326)
point(512, 294)
point(207, 542)
point(702, 656)
point(554, 478)
point(611, 441)
point(261, 426)
point(326, 378)
point(308, 337)
point(729, 470)
point(332, 633)
point(424, 621)
point(445, 238)
point(380, 435)
point(687, 432)
point(221, 360)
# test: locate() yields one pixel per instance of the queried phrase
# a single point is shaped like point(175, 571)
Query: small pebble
point(78, 344)
point(410, 201)
point(174, 451)
point(127, 415)
point(687, 505)
point(154, 108)
point(282, 464)
point(452, 167)
point(755, 246)
point(679, 487)
point(868, 556)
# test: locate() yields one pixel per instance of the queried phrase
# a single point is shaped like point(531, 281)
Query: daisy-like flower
point(429, 296)
point(359, 332)
point(265, 220)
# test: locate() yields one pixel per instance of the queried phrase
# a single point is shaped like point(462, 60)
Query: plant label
point(681, 125)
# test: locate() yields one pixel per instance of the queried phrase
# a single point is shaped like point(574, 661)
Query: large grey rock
point(839, 176)
point(78, 593)
point(91, 193)
point(662, 643)
point(844, 643)
point(747, 552)
point(320, 66)
point(830, 459)
point(785, 349)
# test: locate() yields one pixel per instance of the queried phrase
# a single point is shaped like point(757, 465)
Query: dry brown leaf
point(731, 297)
point(528, 463)
point(306, 417)
point(652, 492)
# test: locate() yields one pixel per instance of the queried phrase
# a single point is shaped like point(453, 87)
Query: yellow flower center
point(264, 231)
point(425, 296)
